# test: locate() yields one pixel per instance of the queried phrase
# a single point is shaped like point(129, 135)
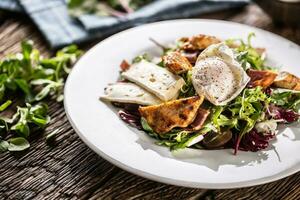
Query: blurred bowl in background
point(282, 11)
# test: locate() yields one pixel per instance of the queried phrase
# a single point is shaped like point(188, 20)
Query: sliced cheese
point(129, 93)
point(157, 80)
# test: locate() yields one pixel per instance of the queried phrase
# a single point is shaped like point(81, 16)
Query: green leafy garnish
point(176, 138)
point(18, 144)
point(248, 56)
point(5, 105)
point(289, 99)
point(188, 89)
point(36, 115)
point(247, 108)
point(242, 113)
point(3, 145)
point(139, 58)
point(145, 125)
point(31, 78)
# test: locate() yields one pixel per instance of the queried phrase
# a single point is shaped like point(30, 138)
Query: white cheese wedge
point(268, 126)
point(129, 93)
point(157, 80)
point(218, 76)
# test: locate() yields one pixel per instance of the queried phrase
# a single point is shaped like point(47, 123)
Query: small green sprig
point(30, 78)
point(288, 99)
point(246, 54)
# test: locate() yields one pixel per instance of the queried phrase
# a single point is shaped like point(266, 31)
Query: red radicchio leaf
point(279, 113)
point(131, 119)
point(252, 141)
point(268, 91)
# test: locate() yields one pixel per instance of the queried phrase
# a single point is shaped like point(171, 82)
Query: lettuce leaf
point(247, 55)
point(288, 99)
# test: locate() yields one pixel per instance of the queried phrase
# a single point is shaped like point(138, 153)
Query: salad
point(206, 93)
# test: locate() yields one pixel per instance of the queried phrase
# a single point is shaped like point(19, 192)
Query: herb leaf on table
point(26, 79)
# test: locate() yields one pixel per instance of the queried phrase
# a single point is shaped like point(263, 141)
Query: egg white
point(218, 76)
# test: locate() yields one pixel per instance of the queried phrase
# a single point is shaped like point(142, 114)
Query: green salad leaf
point(188, 89)
point(289, 99)
point(31, 78)
point(145, 125)
point(176, 138)
point(18, 144)
point(3, 146)
point(247, 108)
point(139, 58)
point(5, 105)
point(247, 55)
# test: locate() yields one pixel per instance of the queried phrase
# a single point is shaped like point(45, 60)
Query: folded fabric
point(52, 19)
point(159, 10)
point(60, 29)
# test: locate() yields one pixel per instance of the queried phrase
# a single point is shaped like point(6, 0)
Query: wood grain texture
point(70, 170)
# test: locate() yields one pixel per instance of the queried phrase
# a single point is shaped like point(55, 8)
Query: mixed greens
point(247, 122)
point(26, 80)
point(117, 8)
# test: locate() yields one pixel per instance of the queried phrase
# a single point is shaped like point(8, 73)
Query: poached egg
point(218, 76)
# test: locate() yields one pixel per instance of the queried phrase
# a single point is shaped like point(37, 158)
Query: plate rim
point(158, 178)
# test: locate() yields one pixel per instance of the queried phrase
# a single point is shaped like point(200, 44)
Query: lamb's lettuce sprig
point(30, 78)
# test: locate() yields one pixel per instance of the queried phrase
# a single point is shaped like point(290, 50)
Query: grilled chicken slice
point(177, 113)
point(198, 42)
point(176, 63)
point(288, 81)
point(263, 78)
point(199, 120)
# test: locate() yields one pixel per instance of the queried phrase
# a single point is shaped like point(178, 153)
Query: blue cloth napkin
point(52, 19)
point(10, 5)
point(160, 10)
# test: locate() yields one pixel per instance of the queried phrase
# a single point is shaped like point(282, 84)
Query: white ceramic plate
point(99, 127)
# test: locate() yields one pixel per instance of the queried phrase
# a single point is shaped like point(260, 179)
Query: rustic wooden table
point(70, 170)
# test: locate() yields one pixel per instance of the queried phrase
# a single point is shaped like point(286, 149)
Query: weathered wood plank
point(126, 186)
point(287, 188)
